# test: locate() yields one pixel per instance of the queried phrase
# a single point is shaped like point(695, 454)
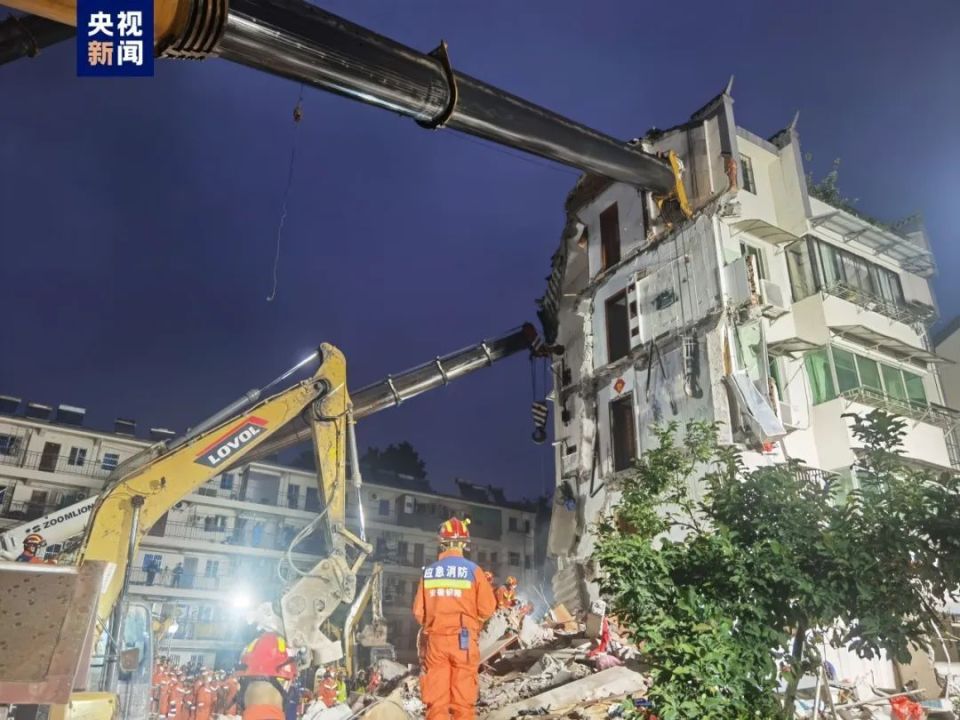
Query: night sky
point(139, 217)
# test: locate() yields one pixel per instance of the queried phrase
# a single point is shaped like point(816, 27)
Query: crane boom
point(300, 41)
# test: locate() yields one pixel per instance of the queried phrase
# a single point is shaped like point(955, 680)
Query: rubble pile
point(559, 667)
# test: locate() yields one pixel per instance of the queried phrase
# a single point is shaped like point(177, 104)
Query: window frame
point(77, 457)
point(616, 298)
point(625, 401)
point(746, 171)
point(889, 373)
point(610, 239)
point(9, 445)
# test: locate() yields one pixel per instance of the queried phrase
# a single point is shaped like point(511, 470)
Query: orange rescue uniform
point(204, 698)
point(506, 598)
point(453, 601)
point(230, 695)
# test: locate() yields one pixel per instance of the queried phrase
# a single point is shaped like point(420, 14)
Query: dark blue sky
point(139, 216)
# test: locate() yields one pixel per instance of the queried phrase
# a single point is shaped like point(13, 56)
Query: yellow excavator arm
point(129, 507)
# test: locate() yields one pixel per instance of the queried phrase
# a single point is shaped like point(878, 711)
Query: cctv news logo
point(231, 442)
point(115, 38)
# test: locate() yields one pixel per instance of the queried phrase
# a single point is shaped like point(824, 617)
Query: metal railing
point(938, 415)
point(267, 537)
point(908, 314)
point(47, 462)
point(26, 510)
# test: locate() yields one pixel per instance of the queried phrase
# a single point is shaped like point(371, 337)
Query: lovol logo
point(235, 439)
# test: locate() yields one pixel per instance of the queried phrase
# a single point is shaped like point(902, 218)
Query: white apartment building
point(770, 311)
point(230, 536)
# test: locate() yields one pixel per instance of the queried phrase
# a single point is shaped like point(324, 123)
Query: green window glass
point(893, 382)
point(817, 363)
point(846, 367)
point(869, 373)
point(915, 390)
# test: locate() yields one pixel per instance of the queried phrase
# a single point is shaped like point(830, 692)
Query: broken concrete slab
point(390, 670)
point(604, 684)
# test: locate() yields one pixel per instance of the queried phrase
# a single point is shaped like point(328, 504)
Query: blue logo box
point(115, 38)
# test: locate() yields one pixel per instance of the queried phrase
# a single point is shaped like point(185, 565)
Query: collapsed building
point(769, 312)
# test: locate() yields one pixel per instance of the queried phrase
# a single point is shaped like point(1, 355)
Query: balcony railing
point(910, 313)
point(268, 538)
point(46, 462)
point(26, 510)
point(188, 580)
point(943, 417)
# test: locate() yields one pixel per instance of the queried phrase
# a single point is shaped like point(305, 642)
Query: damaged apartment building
point(768, 311)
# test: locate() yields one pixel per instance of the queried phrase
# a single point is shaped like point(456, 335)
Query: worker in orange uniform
point(231, 695)
point(204, 697)
point(178, 694)
point(268, 671)
point(453, 601)
point(327, 689)
point(163, 696)
point(32, 549)
point(507, 594)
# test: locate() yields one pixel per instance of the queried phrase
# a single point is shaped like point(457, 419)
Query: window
point(418, 554)
point(512, 525)
point(211, 569)
point(9, 444)
point(821, 378)
point(856, 372)
point(312, 500)
point(526, 526)
point(623, 433)
point(215, 523)
point(869, 373)
point(618, 327)
point(915, 391)
point(749, 184)
point(749, 251)
point(110, 461)
point(226, 481)
point(802, 281)
point(384, 508)
point(381, 546)
point(402, 551)
point(846, 368)
point(893, 382)
point(494, 558)
point(844, 269)
point(207, 492)
point(514, 559)
point(527, 562)
point(609, 237)
point(77, 456)
point(151, 560)
point(293, 496)
point(402, 589)
point(481, 556)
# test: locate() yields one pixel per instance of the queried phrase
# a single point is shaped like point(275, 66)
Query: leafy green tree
point(400, 458)
point(726, 574)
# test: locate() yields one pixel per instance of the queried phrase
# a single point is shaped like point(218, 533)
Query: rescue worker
point(327, 690)
point(453, 601)
point(32, 549)
point(507, 594)
point(341, 685)
point(163, 697)
point(268, 671)
point(231, 695)
point(204, 696)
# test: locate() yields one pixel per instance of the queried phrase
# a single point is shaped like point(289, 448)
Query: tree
point(401, 458)
point(718, 588)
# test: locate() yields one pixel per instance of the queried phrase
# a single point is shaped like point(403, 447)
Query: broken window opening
point(618, 327)
point(623, 432)
point(610, 236)
point(749, 184)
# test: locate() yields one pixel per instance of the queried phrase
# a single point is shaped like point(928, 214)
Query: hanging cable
point(297, 116)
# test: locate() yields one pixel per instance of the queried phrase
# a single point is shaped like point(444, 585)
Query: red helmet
point(455, 529)
point(267, 657)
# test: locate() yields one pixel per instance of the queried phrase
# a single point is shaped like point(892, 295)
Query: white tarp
point(755, 408)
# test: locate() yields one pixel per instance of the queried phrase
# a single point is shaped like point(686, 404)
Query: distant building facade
point(216, 553)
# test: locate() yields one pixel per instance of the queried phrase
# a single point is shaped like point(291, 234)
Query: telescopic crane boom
point(300, 41)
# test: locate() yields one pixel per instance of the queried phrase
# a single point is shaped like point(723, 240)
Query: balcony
point(46, 462)
point(26, 510)
point(187, 580)
point(909, 313)
point(265, 537)
point(937, 415)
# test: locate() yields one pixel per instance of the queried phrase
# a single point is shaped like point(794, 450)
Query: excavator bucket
point(47, 615)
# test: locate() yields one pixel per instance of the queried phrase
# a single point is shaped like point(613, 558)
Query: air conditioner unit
point(789, 415)
point(774, 299)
